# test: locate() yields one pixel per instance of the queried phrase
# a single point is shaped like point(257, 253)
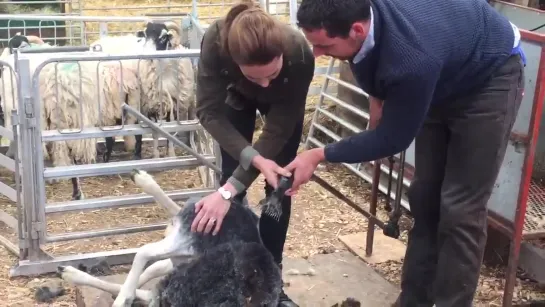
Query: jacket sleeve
point(407, 102)
point(280, 122)
point(211, 95)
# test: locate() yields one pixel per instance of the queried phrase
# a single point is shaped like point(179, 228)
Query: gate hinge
point(30, 122)
point(29, 107)
point(36, 229)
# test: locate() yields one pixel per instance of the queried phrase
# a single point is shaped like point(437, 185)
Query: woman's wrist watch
point(225, 194)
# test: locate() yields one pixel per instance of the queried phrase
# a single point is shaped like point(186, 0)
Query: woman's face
point(263, 74)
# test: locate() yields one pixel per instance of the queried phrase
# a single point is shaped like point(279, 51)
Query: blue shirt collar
point(368, 43)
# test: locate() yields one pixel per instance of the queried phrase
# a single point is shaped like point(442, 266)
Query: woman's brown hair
point(251, 36)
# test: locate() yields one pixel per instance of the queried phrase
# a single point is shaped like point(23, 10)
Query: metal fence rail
point(30, 106)
point(319, 124)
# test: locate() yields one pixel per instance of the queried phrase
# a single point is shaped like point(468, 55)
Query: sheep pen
point(317, 219)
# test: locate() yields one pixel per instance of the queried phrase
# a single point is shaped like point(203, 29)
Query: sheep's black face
point(156, 35)
point(18, 41)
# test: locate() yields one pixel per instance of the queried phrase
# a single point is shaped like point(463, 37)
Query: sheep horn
point(35, 40)
point(172, 26)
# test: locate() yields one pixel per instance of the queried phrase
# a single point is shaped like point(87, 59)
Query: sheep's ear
point(140, 33)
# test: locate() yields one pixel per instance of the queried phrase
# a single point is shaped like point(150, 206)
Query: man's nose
point(264, 83)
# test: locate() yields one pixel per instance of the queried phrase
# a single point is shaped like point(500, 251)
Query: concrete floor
point(333, 278)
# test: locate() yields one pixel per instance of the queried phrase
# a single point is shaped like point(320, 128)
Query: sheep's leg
point(175, 244)
point(138, 147)
point(158, 269)
point(155, 145)
point(78, 278)
point(171, 152)
point(77, 194)
point(150, 186)
point(109, 148)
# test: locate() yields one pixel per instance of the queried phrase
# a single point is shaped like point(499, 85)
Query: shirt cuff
point(239, 186)
point(246, 157)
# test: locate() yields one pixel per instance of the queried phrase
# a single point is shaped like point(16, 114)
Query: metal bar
point(98, 132)
point(170, 137)
point(33, 268)
point(12, 248)
point(346, 200)
point(92, 57)
point(5, 132)
point(28, 187)
point(8, 163)
point(110, 202)
point(56, 49)
point(373, 209)
point(346, 106)
point(334, 136)
point(319, 104)
point(526, 177)
point(348, 85)
point(9, 220)
point(79, 18)
point(363, 175)
point(120, 167)
point(104, 232)
point(8, 191)
point(22, 236)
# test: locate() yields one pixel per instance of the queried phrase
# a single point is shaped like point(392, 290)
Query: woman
point(250, 61)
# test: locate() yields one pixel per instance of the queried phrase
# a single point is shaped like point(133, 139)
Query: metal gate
point(375, 172)
point(32, 206)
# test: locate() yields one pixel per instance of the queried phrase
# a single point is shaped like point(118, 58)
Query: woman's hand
point(270, 170)
point(210, 212)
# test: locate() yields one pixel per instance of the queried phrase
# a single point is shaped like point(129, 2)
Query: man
point(449, 73)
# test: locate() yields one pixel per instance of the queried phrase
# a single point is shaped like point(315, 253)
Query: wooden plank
point(384, 248)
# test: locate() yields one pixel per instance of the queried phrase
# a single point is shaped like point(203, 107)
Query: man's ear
point(358, 30)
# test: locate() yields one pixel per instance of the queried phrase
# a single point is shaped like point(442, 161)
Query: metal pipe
point(104, 232)
point(373, 209)
point(19, 212)
point(170, 137)
point(79, 18)
point(345, 199)
point(120, 167)
point(57, 49)
point(110, 202)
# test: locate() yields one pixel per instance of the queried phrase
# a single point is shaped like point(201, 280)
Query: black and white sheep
point(167, 85)
point(232, 268)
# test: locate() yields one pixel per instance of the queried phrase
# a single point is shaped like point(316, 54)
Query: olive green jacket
point(285, 96)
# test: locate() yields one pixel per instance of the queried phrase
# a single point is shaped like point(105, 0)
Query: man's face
point(337, 47)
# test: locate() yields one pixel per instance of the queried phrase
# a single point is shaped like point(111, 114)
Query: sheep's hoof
point(134, 173)
point(78, 196)
point(106, 157)
point(122, 301)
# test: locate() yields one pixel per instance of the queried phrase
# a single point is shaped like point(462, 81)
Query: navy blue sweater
point(426, 51)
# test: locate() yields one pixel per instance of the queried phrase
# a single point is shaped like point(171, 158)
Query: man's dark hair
point(335, 16)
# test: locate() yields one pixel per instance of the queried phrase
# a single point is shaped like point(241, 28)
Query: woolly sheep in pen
point(167, 85)
point(64, 109)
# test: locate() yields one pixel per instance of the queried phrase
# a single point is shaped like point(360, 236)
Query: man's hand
point(303, 166)
point(270, 170)
point(375, 111)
